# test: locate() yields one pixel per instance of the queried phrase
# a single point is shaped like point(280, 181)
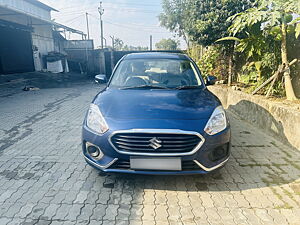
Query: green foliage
point(211, 62)
point(118, 44)
point(261, 34)
point(253, 31)
point(167, 44)
point(208, 19)
point(201, 21)
point(297, 30)
point(269, 15)
point(174, 17)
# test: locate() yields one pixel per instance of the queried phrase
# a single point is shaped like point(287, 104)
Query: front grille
point(125, 165)
point(155, 142)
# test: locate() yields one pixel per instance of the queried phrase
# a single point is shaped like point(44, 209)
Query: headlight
point(217, 122)
point(95, 121)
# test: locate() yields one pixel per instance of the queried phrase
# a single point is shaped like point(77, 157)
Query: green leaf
point(295, 21)
point(297, 30)
point(258, 65)
point(229, 39)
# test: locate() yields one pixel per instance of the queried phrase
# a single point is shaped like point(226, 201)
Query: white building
point(26, 35)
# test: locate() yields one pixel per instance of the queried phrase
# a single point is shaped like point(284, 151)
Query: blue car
point(156, 116)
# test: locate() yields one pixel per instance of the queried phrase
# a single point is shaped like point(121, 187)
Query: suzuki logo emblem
point(155, 143)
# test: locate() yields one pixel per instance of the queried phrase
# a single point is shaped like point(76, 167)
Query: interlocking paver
point(148, 213)
point(98, 212)
point(74, 212)
point(4, 220)
point(81, 197)
point(24, 211)
point(161, 213)
point(13, 210)
point(174, 213)
point(50, 212)
point(44, 178)
point(136, 212)
point(187, 214)
point(111, 212)
point(62, 212)
point(86, 212)
point(123, 212)
point(15, 221)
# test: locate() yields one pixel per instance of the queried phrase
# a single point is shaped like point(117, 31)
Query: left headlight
point(95, 120)
point(217, 122)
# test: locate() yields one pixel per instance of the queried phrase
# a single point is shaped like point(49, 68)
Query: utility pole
point(87, 25)
point(150, 42)
point(105, 45)
point(101, 12)
point(112, 42)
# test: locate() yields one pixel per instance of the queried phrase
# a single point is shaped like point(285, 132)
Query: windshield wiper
point(145, 86)
point(188, 87)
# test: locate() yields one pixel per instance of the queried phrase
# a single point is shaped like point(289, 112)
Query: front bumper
point(201, 161)
point(200, 170)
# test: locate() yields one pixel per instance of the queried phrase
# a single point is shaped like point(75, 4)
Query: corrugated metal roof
point(41, 5)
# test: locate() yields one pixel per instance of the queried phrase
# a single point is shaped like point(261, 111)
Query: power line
point(68, 21)
point(128, 23)
point(135, 29)
point(134, 10)
point(115, 3)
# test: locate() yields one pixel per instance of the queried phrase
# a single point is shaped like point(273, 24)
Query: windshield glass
point(164, 73)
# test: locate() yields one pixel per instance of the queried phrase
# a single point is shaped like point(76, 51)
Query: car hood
point(156, 104)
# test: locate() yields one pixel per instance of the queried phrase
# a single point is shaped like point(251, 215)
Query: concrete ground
point(44, 179)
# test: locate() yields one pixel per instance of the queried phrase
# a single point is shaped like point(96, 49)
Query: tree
point(167, 44)
point(174, 17)
point(208, 18)
point(203, 21)
point(134, 48)
point(118, 44)
point(275, 18)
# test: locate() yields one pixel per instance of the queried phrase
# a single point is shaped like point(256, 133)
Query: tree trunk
point(186, 39)
point(290, 94)
point(230, 64)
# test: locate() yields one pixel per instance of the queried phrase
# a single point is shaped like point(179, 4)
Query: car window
point(167, 73)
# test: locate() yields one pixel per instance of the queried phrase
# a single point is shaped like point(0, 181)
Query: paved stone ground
point(44, 179)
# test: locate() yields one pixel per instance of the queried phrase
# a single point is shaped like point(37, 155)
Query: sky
point(133, 21)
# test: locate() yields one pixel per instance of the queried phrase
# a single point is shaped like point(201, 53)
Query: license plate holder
point(168, 163)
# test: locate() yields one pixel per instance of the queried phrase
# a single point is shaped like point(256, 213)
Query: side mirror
point(100, 78)
point(211, 80)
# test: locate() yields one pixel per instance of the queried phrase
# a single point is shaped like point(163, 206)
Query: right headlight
point(95, 120)
point(217, 122)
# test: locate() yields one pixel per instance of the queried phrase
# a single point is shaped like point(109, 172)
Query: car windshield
point(155, 73)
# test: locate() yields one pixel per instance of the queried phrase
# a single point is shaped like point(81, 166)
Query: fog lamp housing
point(94, 151)
point(219, 152)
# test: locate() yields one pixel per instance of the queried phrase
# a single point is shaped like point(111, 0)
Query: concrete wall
point(277, 118)
point(42, 38)
point(89, 59)
point(79, 44)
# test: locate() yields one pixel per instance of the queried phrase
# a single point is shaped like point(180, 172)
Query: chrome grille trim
point(158, 131)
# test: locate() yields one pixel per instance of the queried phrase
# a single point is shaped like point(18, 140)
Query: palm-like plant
point(275, 18)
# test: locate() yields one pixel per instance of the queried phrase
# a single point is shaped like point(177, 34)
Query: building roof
point(41, 5)
point(156, 55)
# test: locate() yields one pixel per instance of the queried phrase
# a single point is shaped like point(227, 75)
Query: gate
point(16, 54)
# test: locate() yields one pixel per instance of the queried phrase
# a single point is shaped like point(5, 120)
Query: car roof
point(156, 55)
